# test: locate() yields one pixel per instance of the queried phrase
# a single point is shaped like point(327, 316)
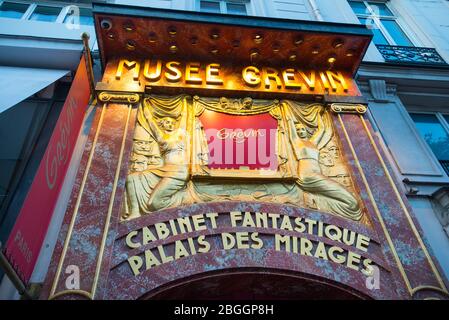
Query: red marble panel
point(416, 260)
point(265, 260)
point(93, 207)
point(94, 237)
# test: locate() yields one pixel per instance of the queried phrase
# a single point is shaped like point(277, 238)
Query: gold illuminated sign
point(290, 234)
point(192, 74)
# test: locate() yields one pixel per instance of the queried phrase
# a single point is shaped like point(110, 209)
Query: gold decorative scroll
point(244, 106)
point(118, 97)
point(348, 108)
point(170, 149)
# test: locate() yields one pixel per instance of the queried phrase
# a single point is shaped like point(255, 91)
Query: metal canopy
point(143, 32)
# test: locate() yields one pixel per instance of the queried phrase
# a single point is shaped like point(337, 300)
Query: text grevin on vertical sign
point(28, 234)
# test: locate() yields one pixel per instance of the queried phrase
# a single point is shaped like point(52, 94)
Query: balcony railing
point(407, 55)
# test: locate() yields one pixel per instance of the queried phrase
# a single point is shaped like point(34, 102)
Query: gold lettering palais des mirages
point(191, 149)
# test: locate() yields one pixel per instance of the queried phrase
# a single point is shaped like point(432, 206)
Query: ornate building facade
point(239, 149)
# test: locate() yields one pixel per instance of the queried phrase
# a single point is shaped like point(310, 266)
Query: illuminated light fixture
point(332, 58)
point(130, 45)
point(111, 36)
point(215, 34)
point(214, 51)
point(276, 47)
point(152, 37)
point(292, 57)
point(316, 50)
point(338, 43)
point(172, 31)
point(236, 43)
point(128, 27)
point(194, 40)
point(350, 53)
point(298, 40)
point(173, 48)
point(106, 24)
point(254, 54)
point(258, 38)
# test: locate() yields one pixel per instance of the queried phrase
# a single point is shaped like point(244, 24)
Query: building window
point(45, 13)
point(13, 10)
point(71, 14)
point(434, 128)
point(224, 6)
point(381, 20)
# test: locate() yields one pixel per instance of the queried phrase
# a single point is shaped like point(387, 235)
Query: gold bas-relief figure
point(169, 162)
point(329, 195)
point(163, 183)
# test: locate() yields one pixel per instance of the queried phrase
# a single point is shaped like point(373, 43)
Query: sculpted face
point(141, 146)
point(302, 131)
point(325, 159)
point(154, 160)
point(247, 103)
point(344, 180)
point(168, 124)
point(139, 162)
point(224, 103)
point(333, 151)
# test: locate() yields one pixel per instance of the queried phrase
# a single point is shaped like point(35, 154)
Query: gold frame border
point(376, 209)
point(407, 213)
point(412, 291)
point(74, 292)
point(431, 288)
point(111, 204)
point(77, 204)
point(91, 295)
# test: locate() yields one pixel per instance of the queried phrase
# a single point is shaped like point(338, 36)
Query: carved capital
point(378, 90)
point(348, 108)
point(118, 97)
point(441, 197)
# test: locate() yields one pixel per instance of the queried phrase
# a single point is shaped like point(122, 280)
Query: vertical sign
point(25, 241)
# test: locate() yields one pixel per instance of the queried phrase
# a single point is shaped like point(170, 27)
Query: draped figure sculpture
point(166, 121)
point(310, 130)
point(169, 164)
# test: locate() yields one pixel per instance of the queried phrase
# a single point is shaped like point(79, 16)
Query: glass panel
point(380, 9)
point(358, 7)
point(44, 13)
point(12, 10)
point(209, 6)
point(396, 33)
point(446, 117)
point(235, 8)
point(433, 132)
point(378, 36)
point(18, 130)
point(86, 18)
